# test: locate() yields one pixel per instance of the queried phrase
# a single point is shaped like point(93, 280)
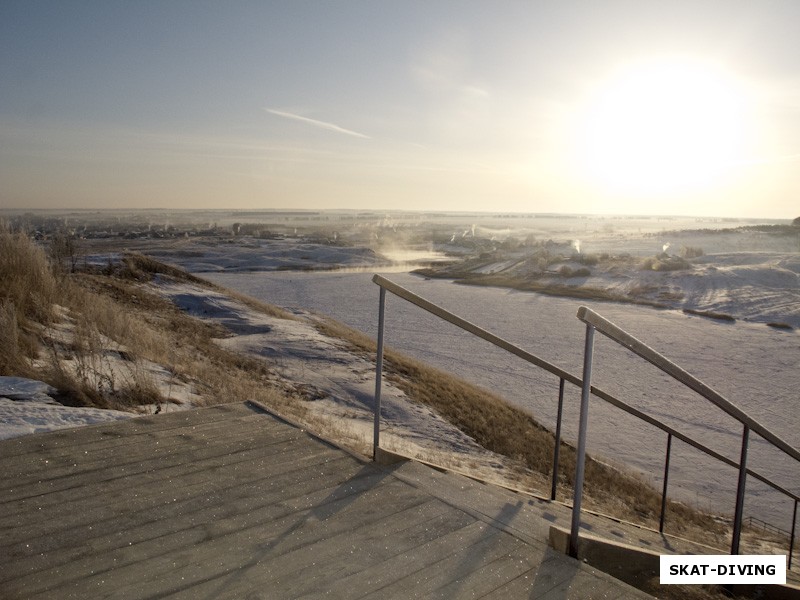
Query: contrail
point(315, 123)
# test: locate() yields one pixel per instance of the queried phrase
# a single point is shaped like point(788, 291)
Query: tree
point(64, 249)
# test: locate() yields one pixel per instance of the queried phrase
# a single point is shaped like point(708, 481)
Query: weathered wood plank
point(107, 528)
point(486, 578)
point(45, 465)
point(65, 440)
point(557, 578)
point(229, 503)
point(192, 555)
point(150, 465)
point(439, 571)
point(403, 566)
point(333, 556)
point(502, 508)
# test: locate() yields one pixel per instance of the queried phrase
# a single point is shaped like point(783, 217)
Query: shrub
point(567, 271)
point(691, 252)
point(665, 263)
point(590, 260)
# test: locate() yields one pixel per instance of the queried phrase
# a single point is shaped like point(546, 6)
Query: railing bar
point(791, 536)
point(705, 449)
point(473, 329)
point(764, 525)
point(376, 434)
point(737, 517)
point(580, 459)
point(638, 347)
point(666, 481)
point(557, 448)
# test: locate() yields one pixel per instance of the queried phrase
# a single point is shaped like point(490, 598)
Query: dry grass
point(97, 349)
point(186, 345)
point(29, 282)
point(27, 295)
point(143, 268)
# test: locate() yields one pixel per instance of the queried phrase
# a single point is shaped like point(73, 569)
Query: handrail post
point(376, 434)
point(557, 449)
point(791, 536)
point(737, 517)
point(666, 481)
point(580, 462)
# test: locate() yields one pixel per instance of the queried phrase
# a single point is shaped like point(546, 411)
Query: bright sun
point(664, 126)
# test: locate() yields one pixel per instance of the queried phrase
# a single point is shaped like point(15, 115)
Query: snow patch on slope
point(27, 406)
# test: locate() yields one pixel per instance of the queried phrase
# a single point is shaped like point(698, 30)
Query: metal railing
point(756, 523)
point(595, 322)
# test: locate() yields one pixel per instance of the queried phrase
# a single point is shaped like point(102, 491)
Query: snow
point(26, 407)
point(760, 287)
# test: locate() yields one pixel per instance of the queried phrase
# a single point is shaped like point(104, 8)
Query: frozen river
point(753, 366)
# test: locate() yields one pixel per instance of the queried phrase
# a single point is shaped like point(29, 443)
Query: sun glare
point(661, 127)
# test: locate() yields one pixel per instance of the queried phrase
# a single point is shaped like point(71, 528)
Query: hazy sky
point(601, 107)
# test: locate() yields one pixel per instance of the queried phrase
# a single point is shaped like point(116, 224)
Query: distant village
point(140, 226)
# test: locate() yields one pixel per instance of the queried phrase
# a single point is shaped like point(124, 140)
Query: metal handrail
point(595, 322)
point(638, 347)
point(759, 523)
point(401, 292)
point(605, 327)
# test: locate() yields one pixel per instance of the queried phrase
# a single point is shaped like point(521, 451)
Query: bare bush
point(662, 262)
point(691, 252)
point(566, 271)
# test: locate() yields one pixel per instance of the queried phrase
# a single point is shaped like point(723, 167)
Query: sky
point(607, 107)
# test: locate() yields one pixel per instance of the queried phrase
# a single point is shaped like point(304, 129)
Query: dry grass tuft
point(27, 296)
point(29, 283)
point(143, 268)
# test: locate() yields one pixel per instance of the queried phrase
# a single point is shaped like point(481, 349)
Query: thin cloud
point(316, 123)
